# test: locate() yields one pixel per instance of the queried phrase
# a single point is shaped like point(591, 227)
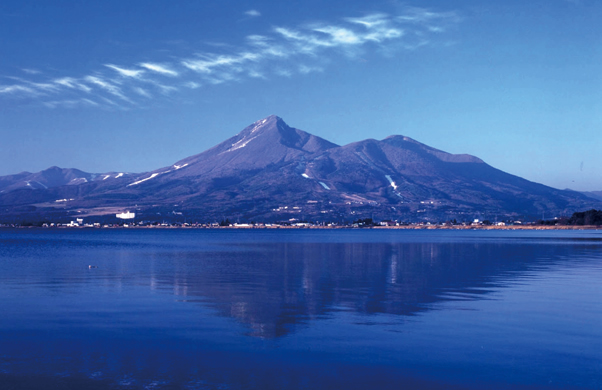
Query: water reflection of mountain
point(117, 326)
point(275, 287)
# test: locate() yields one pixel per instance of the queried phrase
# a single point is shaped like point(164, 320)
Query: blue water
point(300, 309)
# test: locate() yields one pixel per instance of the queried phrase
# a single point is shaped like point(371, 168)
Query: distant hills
point(51, 177)
point(273, 172)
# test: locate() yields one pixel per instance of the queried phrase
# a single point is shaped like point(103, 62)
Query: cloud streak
point(31, 71)
point(135, 73)
point(106, 86)
point(159, 68)
point(253, 13)
point(283, 51)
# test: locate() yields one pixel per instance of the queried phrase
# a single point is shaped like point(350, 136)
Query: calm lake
point(300, 309)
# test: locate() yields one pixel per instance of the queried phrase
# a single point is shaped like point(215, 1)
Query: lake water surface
point(300, 309)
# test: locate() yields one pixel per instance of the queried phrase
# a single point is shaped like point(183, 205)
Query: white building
point(126, 215)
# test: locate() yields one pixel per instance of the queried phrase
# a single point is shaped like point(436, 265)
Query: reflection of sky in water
point(302, 309)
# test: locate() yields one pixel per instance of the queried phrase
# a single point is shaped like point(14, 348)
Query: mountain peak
point(272, 118)
point(266, 141)
point(267, 121)
point(407, 142)
point(273, 130)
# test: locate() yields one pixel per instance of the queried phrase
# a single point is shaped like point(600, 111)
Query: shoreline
point(261, 227)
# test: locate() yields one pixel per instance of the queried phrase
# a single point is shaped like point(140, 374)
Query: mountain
point(270, 171)
point(51, 177)
point(593, 194)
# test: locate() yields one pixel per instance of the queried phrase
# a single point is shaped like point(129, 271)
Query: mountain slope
point(399, 170)
point(593, 194)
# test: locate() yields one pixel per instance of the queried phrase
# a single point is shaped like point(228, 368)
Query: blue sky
point(137, 85)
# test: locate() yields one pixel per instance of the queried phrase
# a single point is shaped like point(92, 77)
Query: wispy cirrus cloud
point(31, 71)
point(42, 86)
point(159, 68)
point(75, 103)
point(142, 92)
point(18, 90)
point(282, 51)
point(253, 13)
point(72, 83)
point(135, 73)
point(107, 86)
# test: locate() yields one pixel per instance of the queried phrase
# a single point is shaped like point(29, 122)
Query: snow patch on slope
point(244, 141)
point(391, 182)
point(324, 185)
point(116, 176)
point(28, 184)
point(143, 180)
point(240, 144)
point(258, 124)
